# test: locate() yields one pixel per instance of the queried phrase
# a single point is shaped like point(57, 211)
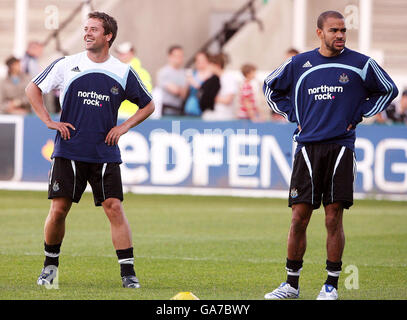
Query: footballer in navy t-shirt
point(92, 84)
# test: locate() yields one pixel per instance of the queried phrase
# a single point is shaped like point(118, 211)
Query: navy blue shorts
point(323, 173)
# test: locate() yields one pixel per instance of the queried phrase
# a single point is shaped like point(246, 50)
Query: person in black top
point(210, 88)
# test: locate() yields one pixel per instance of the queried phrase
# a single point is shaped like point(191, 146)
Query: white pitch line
point(213, 259)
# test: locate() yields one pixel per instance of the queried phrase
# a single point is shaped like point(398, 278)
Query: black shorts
point(69, 178)
point(323, 172)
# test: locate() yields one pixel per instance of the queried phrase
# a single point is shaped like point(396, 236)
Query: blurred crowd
point(20, 71)
point(208, 90)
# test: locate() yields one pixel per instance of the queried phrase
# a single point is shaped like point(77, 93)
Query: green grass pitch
point(216, 247)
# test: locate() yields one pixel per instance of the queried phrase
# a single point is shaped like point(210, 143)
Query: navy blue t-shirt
point(325, 95)
point(90, 96)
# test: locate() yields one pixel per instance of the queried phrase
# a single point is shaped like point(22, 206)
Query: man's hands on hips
point(112, 137)
point(62, 127)
point(115, 133)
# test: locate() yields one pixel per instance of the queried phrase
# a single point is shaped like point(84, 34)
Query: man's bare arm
point(34, 95)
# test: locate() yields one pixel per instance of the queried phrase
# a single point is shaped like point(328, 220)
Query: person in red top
point(248, 108)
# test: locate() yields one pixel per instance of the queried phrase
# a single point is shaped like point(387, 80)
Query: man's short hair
point(173, 48)
point(109, 24)
point(328, 14)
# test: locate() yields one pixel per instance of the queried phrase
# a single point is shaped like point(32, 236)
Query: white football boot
point(47, 276)
point(328, 292)
point(284, 291)
point(130, 282)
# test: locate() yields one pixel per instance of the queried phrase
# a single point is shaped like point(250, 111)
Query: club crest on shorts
point(294, 193)
point(55, 186)
point(343, 78)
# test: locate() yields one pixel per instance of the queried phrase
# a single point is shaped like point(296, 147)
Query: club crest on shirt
point(343, 78)
point(114, 90)
point(294, 193)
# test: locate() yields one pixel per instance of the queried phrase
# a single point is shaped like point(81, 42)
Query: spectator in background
point(12, 90)
point(291, 52)
point(196, 78)
point(210, 87)
point(30, 62)
point(126, 53)
point(172, 81)
point(248, 106)
point(397, 112)
point(31, 66)
point(224, 109)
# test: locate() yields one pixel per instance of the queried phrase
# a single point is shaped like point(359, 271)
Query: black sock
point(126, 261)
point(293, 268)
point(333, 269)
point(51, 254)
